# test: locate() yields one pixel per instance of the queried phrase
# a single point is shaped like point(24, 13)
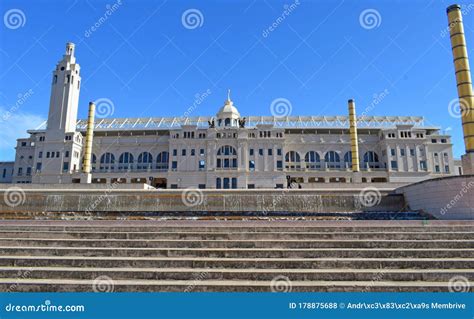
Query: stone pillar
point(353, 132)
point(464, 83)
point(86, 164)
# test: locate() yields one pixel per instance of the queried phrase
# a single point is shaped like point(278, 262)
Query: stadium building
point(224, 151)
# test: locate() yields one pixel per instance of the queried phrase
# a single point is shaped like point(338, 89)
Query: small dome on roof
point(228, 110)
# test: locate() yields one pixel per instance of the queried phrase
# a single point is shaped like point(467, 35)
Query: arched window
point(144, 160)
point(162, 161)
point(371, 159)
point(312, 160)
point(226, 150)
point(93, 161)
point(293, 160)
point(227, 122)
point(125, 160)
point(348, 159)
point(107, 161)
point(226, 157)
point(332, 159)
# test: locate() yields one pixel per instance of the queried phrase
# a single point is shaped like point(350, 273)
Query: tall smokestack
point(86, 165)
point(353, 132)
point(464, 82)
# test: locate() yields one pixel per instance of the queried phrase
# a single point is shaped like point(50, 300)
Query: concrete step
point(235, 256)
point(237, 263)
point(203, 215)
point(236, 274)
point(75, 285)
point(406, 252)
point(260, 243)
point(259, 229)
point(242, 235)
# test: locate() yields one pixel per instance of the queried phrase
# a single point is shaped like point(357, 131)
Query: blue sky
point(149, 63)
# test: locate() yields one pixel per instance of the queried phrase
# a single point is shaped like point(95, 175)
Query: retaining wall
point(197, 200)
point(445, 198)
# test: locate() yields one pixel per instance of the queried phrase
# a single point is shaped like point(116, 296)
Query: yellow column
point(86, 165)
point(353, 132)
point(463, 74)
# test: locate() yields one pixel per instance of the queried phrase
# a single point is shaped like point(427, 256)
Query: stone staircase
point(267, 255)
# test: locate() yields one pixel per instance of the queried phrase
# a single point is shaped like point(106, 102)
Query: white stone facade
point(225, 151)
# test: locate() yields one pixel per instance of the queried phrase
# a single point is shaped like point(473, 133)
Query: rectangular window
point(174, 186)
point(47, 154)
point(202, 164)
point(193, 152)
point(175, 152)
point(270, 152)
point(202, 186)
point(446, 169)
point(423, 165)
point(4, 173)
point(201, 152)
point(279, 165)
point(65, 166)
point(40, 154)
point(20, 171)
point(443, 140)
point(434, 141)
point(437, 168)
point(402, 152)
point(412, 152)
point(251, 152)
point(66, 154)
point(279, 152)
point(234, 182)
point(38, 167)
point(183, 152)
point(174, 165)
point(392, 151)
point(251, 165)
point(260, 151)
point(394, 165)
point(28, 171)
point(251, 186)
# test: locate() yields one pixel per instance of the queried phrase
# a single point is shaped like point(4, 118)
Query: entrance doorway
point(159, 182)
